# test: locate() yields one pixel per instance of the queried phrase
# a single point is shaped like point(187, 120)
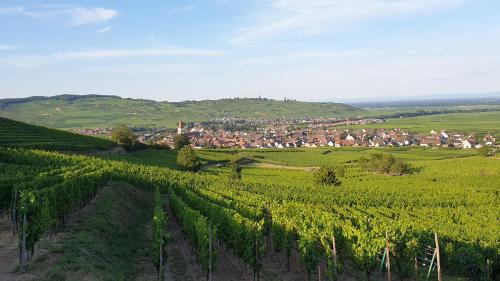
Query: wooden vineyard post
point(387, 258)
point(14, 219)
point(210, 254)
point(334, 251)
point(23, 242)
point(488, 269)
point(161, 261)
point(416, 270)
point(440, 278)
point(257, 260)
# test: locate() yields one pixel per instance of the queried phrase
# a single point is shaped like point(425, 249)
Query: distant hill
point(21, 135)
point(90, 111)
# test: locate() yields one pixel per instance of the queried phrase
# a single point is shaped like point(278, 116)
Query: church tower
point(180, 127)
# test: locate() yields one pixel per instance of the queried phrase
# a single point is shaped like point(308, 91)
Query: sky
point(313, 50)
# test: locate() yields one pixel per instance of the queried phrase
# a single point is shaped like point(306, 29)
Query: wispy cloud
point(104, 30)
point(117, 53)
point(308, 56)
point(6, 47)
point(145, 68)
point(313, 17)
point(182, 9)
point(24, 61)
point(73, 15)
point(429, 51)
point(36, 60)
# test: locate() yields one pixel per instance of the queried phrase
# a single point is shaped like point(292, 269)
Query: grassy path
point(108, 242)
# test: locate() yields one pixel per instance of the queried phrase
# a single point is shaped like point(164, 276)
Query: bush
point(326, 175)
point(123, 135)
point(384, 164)
point(187, 160)
point(485, 151)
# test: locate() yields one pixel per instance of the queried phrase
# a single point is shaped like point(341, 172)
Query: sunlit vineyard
point(455, 197)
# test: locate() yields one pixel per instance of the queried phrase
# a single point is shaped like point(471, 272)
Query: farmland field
point(470, 123)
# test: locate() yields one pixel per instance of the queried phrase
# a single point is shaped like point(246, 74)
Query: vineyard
point(22, 135)
point(318, 232)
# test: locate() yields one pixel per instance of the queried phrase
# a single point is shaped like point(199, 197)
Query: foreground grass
point(106, 243)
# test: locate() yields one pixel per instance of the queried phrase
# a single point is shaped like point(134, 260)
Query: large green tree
point(187, 160)
point(181, 140)
point(123, 135)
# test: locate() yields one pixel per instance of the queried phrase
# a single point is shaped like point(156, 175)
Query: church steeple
point(180, 127)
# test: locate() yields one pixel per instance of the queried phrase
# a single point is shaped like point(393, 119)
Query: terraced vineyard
point(247, 217)
point(22, 135)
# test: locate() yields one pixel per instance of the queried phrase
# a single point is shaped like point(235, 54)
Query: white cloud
point(105, 29)
point(73, 15)
point(81, 16)
point(6, 47)
point(36, 60)
point(313, 17)
point(182, 9)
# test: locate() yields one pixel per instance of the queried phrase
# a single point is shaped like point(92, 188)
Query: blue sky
point(301, 49)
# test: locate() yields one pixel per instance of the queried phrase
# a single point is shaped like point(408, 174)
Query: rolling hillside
point(21, 135)
point(67, 111)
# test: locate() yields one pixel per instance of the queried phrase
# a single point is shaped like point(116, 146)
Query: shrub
point(326, 175)
point(187, 160)
point(384, 164)
point(485, 151)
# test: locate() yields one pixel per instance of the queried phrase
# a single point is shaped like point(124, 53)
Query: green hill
point(70, 111)
point(18, 134)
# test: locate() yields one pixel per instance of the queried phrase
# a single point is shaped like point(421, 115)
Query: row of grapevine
point(199, 230)
point(160, 235)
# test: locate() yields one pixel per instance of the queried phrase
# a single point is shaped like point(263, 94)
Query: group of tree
point(383, 163)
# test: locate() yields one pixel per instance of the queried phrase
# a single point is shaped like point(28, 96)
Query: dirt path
point(276, 166)
point(8, 249)
point(251, 162)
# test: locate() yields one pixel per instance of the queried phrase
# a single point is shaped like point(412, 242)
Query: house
point(466, 144)
point(349, 138)
point(489, 140)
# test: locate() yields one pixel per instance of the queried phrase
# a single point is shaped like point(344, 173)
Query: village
point(281, 134)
